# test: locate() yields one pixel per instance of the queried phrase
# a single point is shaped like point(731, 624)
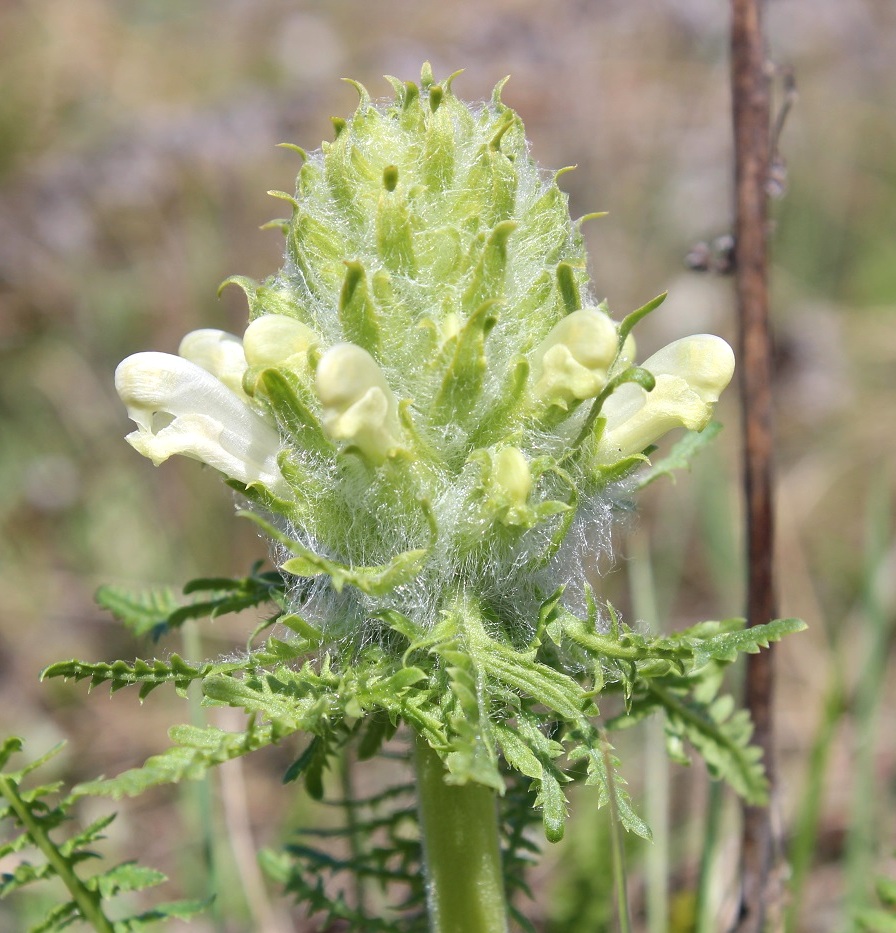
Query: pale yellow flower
point(358, 404)
point(572, 363)
point(273, 338)
point(690, 374)
point(218, 353)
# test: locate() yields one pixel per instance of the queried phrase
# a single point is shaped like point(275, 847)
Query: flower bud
point(218, 353)
point(511, 474)
point(358, 405)
point(511, 482)
point(181, 408)
point(572, 362)
point(273, 338)
point(690, 373)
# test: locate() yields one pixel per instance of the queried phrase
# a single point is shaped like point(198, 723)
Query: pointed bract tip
point(639, 376)
point(397, 86)
point(507, 121)
point(248, 286)
point(503, 230)
point(426, 76)
point(284, 196)
point(594, 215)
point(363, 94)
point(294, 148)
point(450, 79)
point(496, 93)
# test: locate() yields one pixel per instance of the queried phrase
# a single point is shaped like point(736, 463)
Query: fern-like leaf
point(727, 645)
point(194, 752)
point(599, 765)
point(156, 611)
point(36, 816)
point(120, 674)
point(143, 612)
point(719, 732)
point(680, 455)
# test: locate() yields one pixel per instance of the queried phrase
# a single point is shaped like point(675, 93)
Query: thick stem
point(464, 883)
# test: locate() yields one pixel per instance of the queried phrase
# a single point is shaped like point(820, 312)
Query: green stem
point(464, 883)
point(88, 901)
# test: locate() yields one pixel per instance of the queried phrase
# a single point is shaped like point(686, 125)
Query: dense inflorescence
point(428, 403)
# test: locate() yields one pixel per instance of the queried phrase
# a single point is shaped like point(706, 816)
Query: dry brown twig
point(752, 143)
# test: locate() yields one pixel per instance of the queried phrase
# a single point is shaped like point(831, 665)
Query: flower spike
point(434, 421)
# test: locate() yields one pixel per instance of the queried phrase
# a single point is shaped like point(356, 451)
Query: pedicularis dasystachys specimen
point(430, 414)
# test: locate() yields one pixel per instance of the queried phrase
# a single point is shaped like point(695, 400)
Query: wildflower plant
point(433, 422)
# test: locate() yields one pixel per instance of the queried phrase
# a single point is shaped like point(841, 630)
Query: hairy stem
point(464, 884)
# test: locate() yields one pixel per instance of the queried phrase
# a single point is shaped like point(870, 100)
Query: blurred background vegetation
point(136, 146)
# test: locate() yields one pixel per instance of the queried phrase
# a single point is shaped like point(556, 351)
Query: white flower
point(573, 361)
point(358, 405)
point(181, 408)
point(690, 374)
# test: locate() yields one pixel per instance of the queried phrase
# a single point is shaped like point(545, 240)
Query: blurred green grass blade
point(657, 772)
point(617, 844)
point(865, 818)
point(704, 911)
point(811, 811)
